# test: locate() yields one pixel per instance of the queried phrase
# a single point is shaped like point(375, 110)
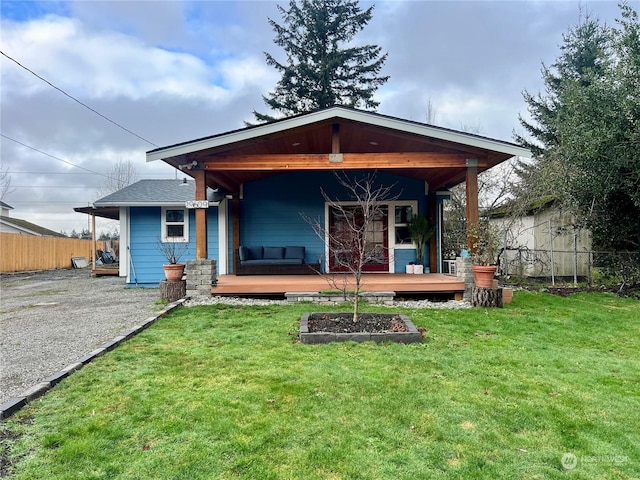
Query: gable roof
point(337, 112)
point(146, 193)
point(5, 205)
point(362, 140)
point(28, 227)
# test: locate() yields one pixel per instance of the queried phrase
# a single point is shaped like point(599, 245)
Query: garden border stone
point(14, 404)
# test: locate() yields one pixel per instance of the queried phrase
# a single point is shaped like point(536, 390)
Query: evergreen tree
point(322, 66)
point(586, 132)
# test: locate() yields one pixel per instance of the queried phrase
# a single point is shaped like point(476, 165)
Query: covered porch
point(432, 284)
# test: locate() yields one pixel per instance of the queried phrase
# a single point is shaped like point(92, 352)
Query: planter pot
point(418, 269)
point(173, 271)
point(483, 275)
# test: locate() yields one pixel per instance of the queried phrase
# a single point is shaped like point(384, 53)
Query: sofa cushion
point(274, 261)
point(273, 253)
point(294, 252)
point(244, 254)
point(255, 253)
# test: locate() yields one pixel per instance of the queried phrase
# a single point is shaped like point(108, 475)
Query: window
point(175, 225)
point(403, 214)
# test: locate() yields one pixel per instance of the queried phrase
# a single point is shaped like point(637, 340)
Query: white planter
point(409, 268)
point(418, 269)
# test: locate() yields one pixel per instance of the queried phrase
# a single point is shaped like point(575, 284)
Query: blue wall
point(145, 232)
point(273, 208)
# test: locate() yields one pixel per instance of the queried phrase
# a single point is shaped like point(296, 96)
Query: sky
point(164, 72)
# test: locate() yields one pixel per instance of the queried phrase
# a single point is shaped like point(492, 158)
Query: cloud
point(175, 71)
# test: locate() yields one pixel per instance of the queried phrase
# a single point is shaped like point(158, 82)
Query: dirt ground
point(48, 319)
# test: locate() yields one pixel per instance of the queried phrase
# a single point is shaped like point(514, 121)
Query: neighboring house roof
point(531, 208)
point(5, 206)
point(28, 227)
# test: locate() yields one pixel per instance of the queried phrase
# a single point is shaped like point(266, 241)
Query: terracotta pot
point(173, 271)
point(483, 275)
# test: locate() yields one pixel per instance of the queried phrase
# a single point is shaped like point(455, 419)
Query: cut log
point(486, 297)
point(172, 291)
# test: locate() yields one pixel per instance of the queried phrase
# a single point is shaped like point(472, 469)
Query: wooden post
point(433, 243)
point(335, 138)
point(235, 214)
point(94, 253)
point(473, 212)
point(200, 177)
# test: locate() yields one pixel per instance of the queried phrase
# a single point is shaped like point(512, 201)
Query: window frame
point(392, 223)
point(165, 224)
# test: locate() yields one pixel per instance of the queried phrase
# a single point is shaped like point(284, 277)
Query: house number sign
point(197, 204)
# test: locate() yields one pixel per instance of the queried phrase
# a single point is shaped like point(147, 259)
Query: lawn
point(219, 392)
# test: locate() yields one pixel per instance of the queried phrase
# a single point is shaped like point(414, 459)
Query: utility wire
point(52, 156)
point(76, 100)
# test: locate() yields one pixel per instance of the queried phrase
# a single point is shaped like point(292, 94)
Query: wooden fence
point(20, 253)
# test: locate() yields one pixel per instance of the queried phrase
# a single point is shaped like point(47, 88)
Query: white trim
point(346, 114)
point(223, 238)
point(21, 229)
point(125, 239)
point(185, 223)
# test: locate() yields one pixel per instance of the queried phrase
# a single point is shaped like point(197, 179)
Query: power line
point(76, 100)
point(52, 156)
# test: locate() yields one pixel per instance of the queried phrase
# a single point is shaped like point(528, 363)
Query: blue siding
point(273, 208)
point(145, 233)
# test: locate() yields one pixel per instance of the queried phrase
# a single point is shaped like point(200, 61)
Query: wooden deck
point(401, 283)
point(102, 270)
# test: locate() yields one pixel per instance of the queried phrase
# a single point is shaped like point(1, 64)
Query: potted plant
point(421, 230)
point(484, 251)
point(173, 251)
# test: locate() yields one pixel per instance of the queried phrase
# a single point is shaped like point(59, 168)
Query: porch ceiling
point(384, 144)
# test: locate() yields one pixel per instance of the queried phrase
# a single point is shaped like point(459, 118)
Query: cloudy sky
point(175, 71)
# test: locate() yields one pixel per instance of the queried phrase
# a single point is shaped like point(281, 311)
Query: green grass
point(224, 392)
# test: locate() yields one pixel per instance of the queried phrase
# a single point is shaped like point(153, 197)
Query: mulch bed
point(367, 322)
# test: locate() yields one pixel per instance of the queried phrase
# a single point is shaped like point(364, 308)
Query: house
point(544, 231)
point(255, 186)
point(9, 224)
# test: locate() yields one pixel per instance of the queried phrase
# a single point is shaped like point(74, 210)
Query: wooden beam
point(200, 177)
point(473, 212)
point(335, 138)
point(321, 161)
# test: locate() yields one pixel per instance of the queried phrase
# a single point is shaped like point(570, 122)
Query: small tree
point(353, 242)
point(323, 67)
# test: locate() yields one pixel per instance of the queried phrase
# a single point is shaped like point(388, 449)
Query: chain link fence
point(562, 266)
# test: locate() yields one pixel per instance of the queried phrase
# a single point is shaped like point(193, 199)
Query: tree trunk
point(172, 291)
point(486, 297)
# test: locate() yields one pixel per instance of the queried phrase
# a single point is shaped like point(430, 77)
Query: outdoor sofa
point(260, 260)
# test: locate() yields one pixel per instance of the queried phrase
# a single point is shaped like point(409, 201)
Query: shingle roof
point(152, 192)
point(29, 227)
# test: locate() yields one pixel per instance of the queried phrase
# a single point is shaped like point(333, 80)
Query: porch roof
point(337, 138)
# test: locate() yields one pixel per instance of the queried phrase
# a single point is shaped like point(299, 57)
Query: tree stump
point(172, 291)
point(486, 297)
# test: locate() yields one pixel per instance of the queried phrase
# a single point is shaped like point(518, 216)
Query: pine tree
point(322, 66)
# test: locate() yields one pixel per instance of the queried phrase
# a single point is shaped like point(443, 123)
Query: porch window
point(175, 225)
point(403, 214)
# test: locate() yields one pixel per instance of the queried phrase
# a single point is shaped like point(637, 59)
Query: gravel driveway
point(49, 319)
